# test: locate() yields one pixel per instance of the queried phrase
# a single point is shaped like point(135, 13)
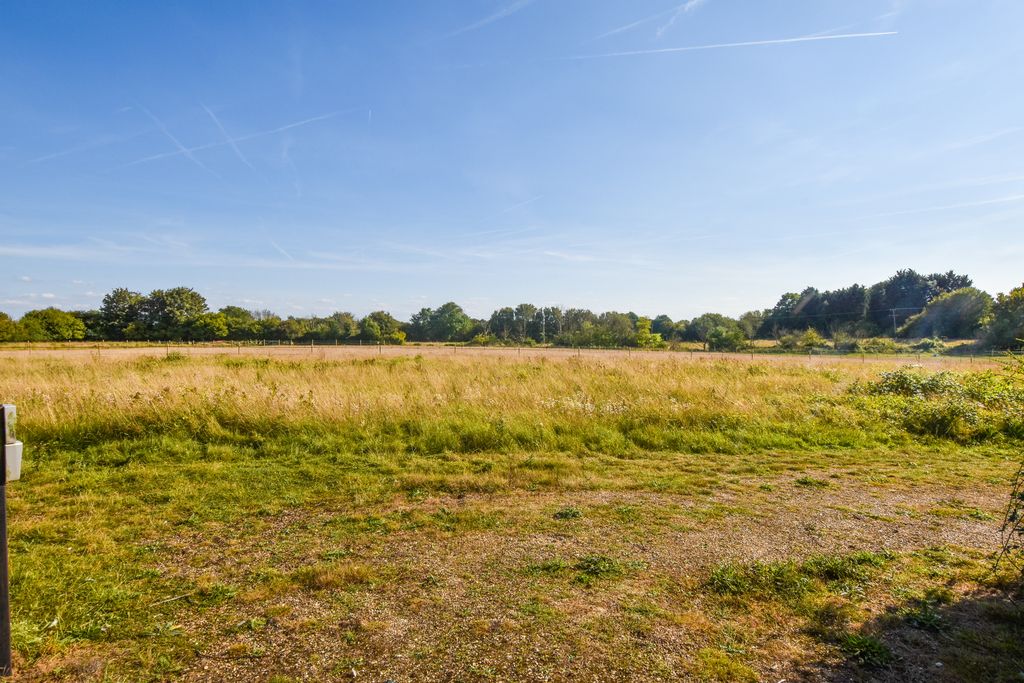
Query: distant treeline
point(907, 305)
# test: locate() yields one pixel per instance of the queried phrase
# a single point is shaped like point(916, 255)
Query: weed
point(812, 483)
point(598, 567)
point(568, 513)
point(718, 666)
point(865, 649)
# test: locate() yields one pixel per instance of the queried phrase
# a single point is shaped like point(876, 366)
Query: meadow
point(440, 514)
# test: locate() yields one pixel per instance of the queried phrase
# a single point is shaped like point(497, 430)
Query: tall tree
point(241, 324)
point(169, 314)
point(1007, 327)
point(120, 309)
point(51, 324)
point(525, 317)
point(958, 314)
point(896, 299)
point(449, 323)
point(502, 323)
point(8, 328)
point(380, 327)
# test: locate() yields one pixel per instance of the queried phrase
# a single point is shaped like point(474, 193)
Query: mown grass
point(123, 457)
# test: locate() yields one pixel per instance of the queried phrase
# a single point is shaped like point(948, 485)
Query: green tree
point(449, 323)
point(8, 328)
point(645, 339)
point(1007, 327)
point(908, 292)
point(169, 314)
point(291, 329)
point(418, 328)
point(51, 324)
point(268, 324)
point(119, 310)
point(525, 319)
point(751, 323)
point(381, 328)
point(618, 328)
point(209, 327)
point(95, 330)
point(241, 324)
point(701, 328)
point(811, 339)
point(502, 323)
point(726, 338)
point(339, 325)
point(664, 326)
point(552, 323)
point(959, 314)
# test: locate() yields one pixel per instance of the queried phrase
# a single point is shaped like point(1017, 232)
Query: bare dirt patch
point(491, 587)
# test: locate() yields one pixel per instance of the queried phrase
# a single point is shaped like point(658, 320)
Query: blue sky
point(650, 155)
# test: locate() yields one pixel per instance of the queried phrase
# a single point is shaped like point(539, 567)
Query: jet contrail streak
point(234, 141)
point(227, 138)
point(751, 43)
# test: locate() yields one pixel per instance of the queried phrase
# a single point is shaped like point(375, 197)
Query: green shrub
point(597, 567)
point(866, 650)
point(568, 513)
point(961, 407)
point(878, 345)
point(932, 345)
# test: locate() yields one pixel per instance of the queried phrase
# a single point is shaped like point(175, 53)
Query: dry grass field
point(434, 514)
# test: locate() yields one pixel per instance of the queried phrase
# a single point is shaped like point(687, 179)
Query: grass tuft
point(332, 576)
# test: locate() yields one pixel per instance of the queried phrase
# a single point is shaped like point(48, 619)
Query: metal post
point(5, 595)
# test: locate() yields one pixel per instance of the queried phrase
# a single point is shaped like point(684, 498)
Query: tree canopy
point(923, 306)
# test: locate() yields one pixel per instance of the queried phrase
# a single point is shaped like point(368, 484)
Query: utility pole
point(893, 311)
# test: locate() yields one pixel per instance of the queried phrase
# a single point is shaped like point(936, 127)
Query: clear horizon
point(660, 157)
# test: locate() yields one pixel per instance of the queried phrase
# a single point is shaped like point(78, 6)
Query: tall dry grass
point(440, 404)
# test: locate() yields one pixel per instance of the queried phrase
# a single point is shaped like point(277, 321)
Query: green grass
point(343, 482)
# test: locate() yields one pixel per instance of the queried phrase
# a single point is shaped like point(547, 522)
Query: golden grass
point(458, 510)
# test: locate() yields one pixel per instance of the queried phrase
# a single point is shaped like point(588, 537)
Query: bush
point(967, 407)
point(726, 339)
point(877, 345)
point(929, 346)
point(483, 340)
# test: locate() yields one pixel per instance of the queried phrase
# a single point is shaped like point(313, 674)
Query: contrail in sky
point(506, 11)
point(187, 151)
point(751, 43)
point(181, 148)
point(227, 138)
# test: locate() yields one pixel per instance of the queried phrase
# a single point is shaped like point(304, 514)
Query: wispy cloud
point(529, 201)
point(227, 138)
point(241, 138)
point(503, 13)
point(101, 141)
point(177, 143)
point(673, 13)
point(983, 139)
point(277, 247)
point(682, 9)
point(750, 43)
point(1009, 199)
point(112, 253)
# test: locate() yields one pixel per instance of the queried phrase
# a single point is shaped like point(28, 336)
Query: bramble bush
point(1012, 529)
point(967, 407)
